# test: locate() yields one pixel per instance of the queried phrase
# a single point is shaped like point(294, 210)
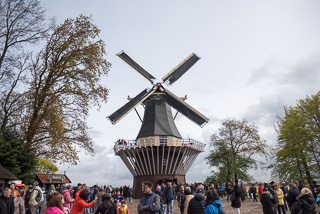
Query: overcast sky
point(256, 57)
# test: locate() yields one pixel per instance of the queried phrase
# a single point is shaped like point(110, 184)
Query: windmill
point(159, 153)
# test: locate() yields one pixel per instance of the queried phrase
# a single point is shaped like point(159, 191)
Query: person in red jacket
point(260, 189)
point(80, 202)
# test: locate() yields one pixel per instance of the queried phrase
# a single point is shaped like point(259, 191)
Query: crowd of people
point(191, 198)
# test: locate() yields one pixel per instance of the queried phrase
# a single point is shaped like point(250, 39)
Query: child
point(123, 208)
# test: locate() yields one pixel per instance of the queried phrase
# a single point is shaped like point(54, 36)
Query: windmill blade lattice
point(136, 66)
point(124, 110)
point(180, 69)
point(185, 109)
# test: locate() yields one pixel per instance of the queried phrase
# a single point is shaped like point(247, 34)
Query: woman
point(305, 203)
point(18, 202)
point(51, 190)
point(280, 199)
point(213, 204)
point(66, 197)
point(107, 206)
point(54, 204)
point(188, 197)
point(235, 199)
point(80, 202)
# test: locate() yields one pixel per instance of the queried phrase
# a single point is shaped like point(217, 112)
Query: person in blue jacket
point(213, 203)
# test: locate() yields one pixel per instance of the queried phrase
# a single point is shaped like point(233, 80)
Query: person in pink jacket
point(66, 197)
point(55, 204)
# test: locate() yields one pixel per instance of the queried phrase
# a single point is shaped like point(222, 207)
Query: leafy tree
point(16, 157)
point(47, 97)
point(234, 147)
point(22, 22)
point(65, 82)
point(298, 141)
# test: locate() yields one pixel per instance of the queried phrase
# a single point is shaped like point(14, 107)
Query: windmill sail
point(124, 110)
point(185, 109)
point(136, 66)
point(180, 69)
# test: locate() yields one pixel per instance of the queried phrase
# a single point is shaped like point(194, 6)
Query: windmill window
point(163, 140)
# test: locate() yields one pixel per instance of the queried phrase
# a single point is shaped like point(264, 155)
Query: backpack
point(221, 211)
point(162, 209)
point(39, 198)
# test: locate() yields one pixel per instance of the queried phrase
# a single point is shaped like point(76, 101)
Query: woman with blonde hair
point(18, 202)
point(280, 199)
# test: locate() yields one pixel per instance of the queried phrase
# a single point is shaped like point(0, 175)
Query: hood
point(53, 210)
point(307, 198)
point(199, 197)
point(64, 191)
point(217, 203)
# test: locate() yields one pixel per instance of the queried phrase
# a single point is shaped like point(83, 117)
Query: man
point(170, 195)
point(76, 189)
point(292, 194)
point(150, 202)
point(272, 190)
point(181, 199)
point(285, 194)
point(197, 205)
point(253, 191)
point(6, 202)
point(13, 186)
point(33, 203)
point(27, 199)
point(228, 190)
point(267, 202)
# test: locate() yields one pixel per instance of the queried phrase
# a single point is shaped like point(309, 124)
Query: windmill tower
point(159, 153)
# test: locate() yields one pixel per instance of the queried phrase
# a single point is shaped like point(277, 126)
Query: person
point(123, 209)
point(188, 197)
point(260, 189)
point(318, 200)
point(161, 194)
point(6, 202)
point(292, 195)
point(18, 202)
point(267, 201)
point(66, 197)
point(107, 206)
point(27, 199)
point(129, 193)
point(253, 192)
point(54, 204)
point(243, 190)
point(170, 195)
point(80, 202)
point(76, 189)
point(280, 199)
point(51, 190)
point(305, 203)
point(197, 205)
point(228, 190)
point(272, 190)
point(285, 194)
point(13, 186)
point(213, 204)
point(33, 203)
point(235, 199)
point(150, 202)
point(181, 199)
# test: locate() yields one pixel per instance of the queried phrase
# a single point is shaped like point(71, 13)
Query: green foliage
point(16, 157)
point(47, 98)
point(298, 141)
point(45, 166)
point(233, 149)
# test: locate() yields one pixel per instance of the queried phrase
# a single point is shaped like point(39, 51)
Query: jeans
point(170, 204)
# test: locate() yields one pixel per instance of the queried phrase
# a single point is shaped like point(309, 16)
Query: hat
point(201, 190)
point(272, 182)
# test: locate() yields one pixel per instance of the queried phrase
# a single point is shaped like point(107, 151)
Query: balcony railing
point(122, 144)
